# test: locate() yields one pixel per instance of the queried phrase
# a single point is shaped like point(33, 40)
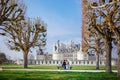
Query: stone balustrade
point(59, 62)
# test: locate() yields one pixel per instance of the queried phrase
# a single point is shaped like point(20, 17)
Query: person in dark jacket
point(64, 64)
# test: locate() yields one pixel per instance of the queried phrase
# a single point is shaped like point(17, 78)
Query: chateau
point(72, 52)
point(68, 51)
point(61, 51)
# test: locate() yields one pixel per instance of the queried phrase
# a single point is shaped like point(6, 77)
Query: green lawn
point(52, 75)
point(44, 75)
point(79, 67)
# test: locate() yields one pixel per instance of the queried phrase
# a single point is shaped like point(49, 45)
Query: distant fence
point(59, 62)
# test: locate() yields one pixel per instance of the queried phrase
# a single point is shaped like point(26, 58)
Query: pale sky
point(63, 18)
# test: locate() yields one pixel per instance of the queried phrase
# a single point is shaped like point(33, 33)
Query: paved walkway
point(59, 70)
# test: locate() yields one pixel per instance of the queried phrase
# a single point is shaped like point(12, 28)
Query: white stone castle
point(71, 52)
point(62, 51)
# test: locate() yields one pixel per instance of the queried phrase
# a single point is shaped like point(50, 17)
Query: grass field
point(78, 67)
point(44, 75)
point(55, 75)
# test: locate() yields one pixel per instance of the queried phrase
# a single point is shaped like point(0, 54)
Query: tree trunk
point(25, 59)
point(108, 57)
point(118, 65)
point(118, 51)
point(97, 61)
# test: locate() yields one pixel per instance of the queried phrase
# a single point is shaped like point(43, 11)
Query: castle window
point(87, 62)
point(84, 62)
point(53, 62)
point(72, 62)
point(35, 62)
point(61, 62)
point(91, 62)
point(46, 62)
point(100, 62)
point(50, 62)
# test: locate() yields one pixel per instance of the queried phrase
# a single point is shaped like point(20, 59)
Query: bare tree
point(106, 34)
point(98, 34)
point(96, 43)
point(111, 15)
point(26, 34)
point(99, 24)
point(2, 58)
point(113, 21)
point(11, 10)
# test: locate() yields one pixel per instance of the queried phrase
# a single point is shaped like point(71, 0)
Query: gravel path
point(57, 70)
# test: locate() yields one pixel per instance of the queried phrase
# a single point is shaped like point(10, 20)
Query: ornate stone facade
point(70, 51)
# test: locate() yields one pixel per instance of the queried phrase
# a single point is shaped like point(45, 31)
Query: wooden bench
point(61, 67)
